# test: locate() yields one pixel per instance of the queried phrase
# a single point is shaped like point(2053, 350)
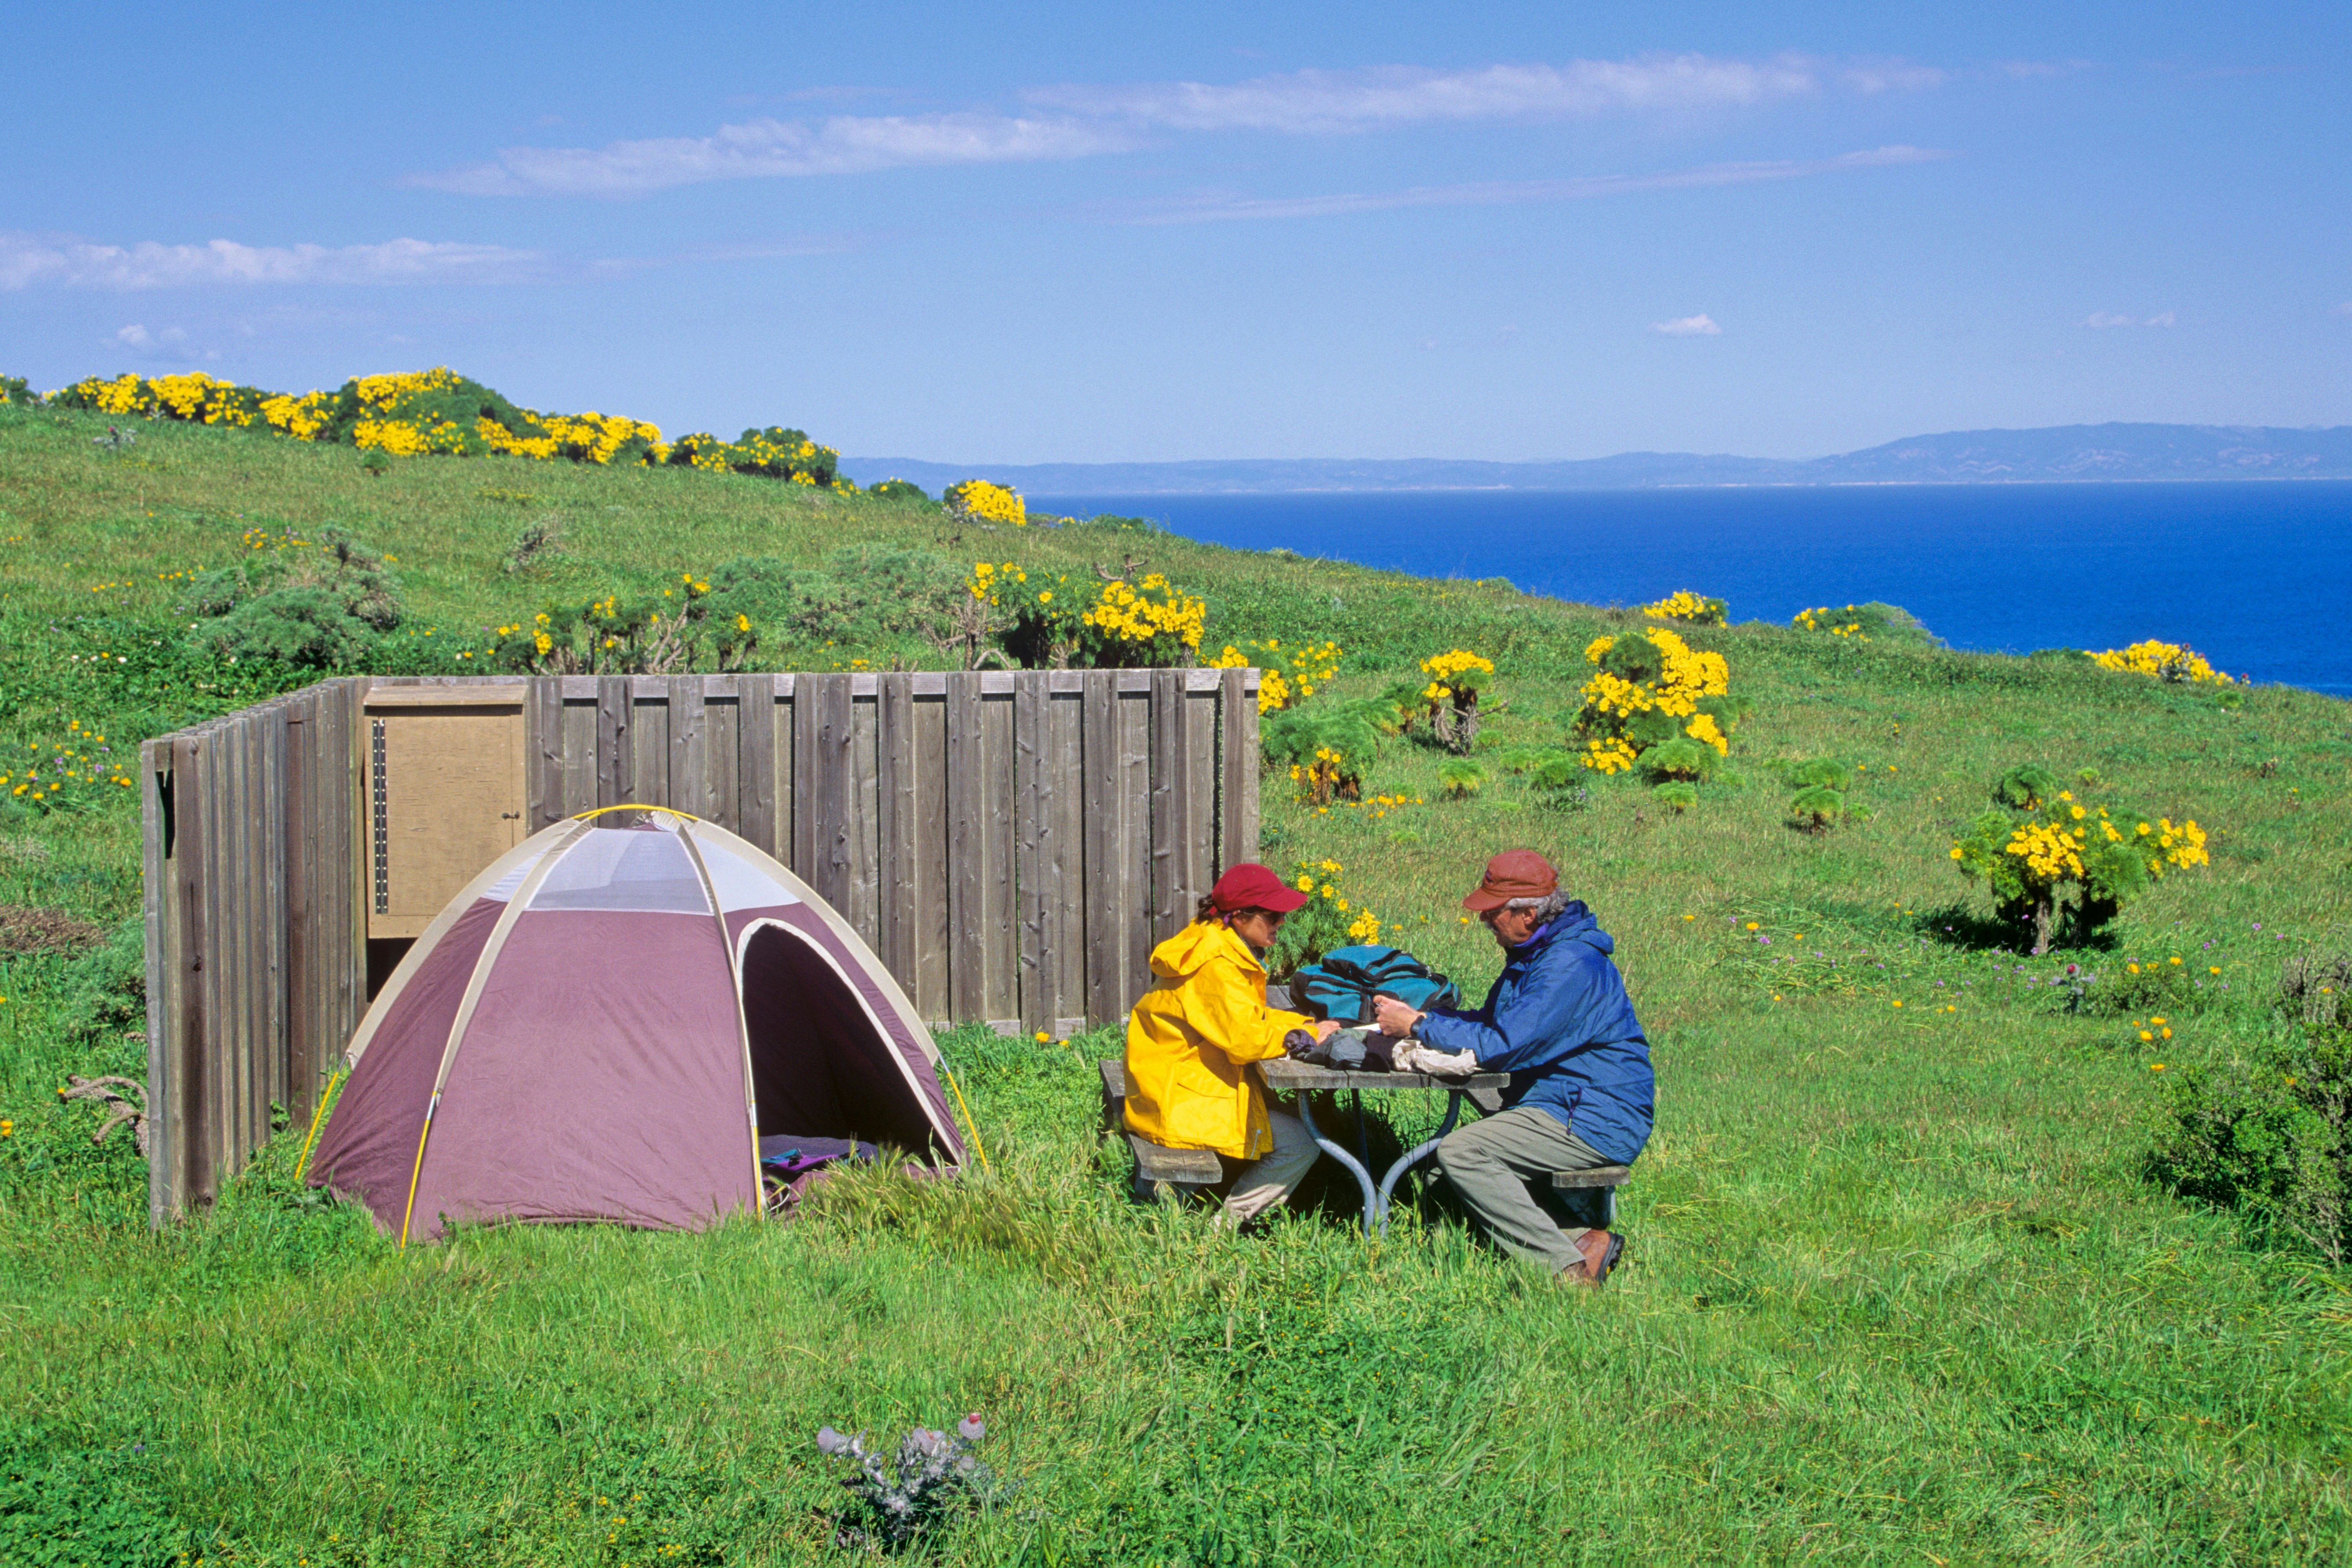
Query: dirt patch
point(27, 929)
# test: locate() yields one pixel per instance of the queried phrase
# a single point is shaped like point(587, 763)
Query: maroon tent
point(616, 1024)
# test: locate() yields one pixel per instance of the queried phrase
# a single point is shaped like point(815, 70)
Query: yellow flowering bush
point(2049, 859)
point(437, 412)
point(1654, 701)
point(646, 634)
point(1692, 609)
point(977, 500)
point(2163, 660)
point(1329, 918)
point(1062, 622)
point(1286, 676)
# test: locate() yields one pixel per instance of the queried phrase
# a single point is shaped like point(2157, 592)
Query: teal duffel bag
point(1342, 983)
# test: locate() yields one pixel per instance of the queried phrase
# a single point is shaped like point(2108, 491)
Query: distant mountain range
point(2062, 454)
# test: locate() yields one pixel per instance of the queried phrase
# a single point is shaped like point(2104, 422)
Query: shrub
point(1062, 622)
point(1286, 676)
point(1328, 920)
point(2165, 661)
point(16, 392)
point(1326, 749)
point(898, 490)
point(933, 1475)
point(1650, 688)
point(647, 633)
point(1461, 778)
point(1677, 796)
point(2268, 1134)
point(324, 609)
point(1680, 759)
point(2044, 855)
point(1455, 678)
point(1817, 807)
point(1692, 609)
point(1863, 623)
point(980, 502)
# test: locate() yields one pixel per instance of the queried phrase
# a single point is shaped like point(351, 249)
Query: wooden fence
point(1011, 845)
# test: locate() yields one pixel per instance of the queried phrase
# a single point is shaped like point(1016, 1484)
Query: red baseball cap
point(1513, 874)
point(1250, 886)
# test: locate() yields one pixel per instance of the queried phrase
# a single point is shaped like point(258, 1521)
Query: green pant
point(1502, 1167)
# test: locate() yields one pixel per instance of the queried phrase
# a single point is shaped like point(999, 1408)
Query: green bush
point(1816, 807)
point(1680, 759)
point(898, 490)
point(321, 610)
point(2267, 1135)
point(1677, 796)
point(2059, 869)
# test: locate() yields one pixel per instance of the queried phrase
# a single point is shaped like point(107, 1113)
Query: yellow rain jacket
point(1190, 1039)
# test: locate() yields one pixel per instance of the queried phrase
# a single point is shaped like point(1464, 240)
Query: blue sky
point(1094, 233)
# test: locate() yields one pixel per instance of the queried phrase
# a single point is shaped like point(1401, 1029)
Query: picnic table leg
point(1339, 1151)
point(1414, 1156)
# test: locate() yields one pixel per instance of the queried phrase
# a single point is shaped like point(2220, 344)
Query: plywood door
point(446, 798)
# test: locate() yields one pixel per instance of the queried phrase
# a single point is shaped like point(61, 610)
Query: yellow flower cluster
point(1286, 676)
point(301, 417)
point(2181, 846)
point(124, 395)
point(2052, 854)
point(977, 500)
point(988, 580)
point(1696, 609)
point(1147, 613)
point(1685, 676)
point(590, 438)
point(1613, 755)
point(1820, 620)
point(1321, 777)
point(2165, 661)
point(1320, 878)
point(65, 768)
point(1447, 670)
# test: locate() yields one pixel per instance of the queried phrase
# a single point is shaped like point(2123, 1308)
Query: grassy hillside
point(1896, 1288)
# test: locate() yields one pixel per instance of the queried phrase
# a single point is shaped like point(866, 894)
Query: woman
point(1190, 1039)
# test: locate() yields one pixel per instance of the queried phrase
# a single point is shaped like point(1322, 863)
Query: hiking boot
point(1601, 1248)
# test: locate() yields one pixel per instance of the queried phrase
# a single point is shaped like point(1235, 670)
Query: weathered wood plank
point(276, 924)
point(829, 787)
point(650, 744)
point(1133, 714)
point(184, 1102)
point(1237, 768)
point(1002, 991)
point(1036, 884)
point(899, 828)
point(929, 992)
point(755, 765)
point(1105, 866)
point(688, 784)
point(582, 772)
point(723, 714)
point(862, 828)
point(967, 853)
point(616, 773)
point(299, 825)
point(162, 963)
point(1065, 754)
point(543, 746)
point(1200, 766)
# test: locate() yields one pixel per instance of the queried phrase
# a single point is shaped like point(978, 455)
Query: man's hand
point(1394, 1018)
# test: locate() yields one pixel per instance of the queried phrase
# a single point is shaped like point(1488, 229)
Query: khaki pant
point(1258, 1184)
point(1502, 1167)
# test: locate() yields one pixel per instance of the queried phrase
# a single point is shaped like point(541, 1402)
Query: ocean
point(2255, 576)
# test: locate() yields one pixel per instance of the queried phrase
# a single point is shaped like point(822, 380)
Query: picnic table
point(1308, 1078)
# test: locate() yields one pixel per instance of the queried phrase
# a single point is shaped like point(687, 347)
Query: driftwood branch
point(111, 1092)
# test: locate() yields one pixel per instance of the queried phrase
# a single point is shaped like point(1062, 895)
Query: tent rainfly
point(615, 1024)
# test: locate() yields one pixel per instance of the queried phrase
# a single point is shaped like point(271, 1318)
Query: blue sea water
point(2256, 576)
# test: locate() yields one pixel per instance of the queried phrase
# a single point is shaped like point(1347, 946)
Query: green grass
point(1895, 1291)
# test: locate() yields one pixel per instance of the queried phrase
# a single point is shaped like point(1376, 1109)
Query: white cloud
point(772, 149)
point(2162, 319)
point(2099, 320)
point(135, 336)
point(1080, 121)
point(1500, 192)
point(1312, 101)
point(1699, 326)
point(27, 259)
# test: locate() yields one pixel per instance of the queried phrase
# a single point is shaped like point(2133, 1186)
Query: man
point(1557, 1020)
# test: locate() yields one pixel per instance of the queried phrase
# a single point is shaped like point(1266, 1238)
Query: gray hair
point(1546, 907)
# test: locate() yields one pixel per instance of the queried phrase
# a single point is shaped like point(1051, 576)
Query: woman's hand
point(1326, 1028)
point(1394, 1018)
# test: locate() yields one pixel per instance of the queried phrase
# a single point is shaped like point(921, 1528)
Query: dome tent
point(610, 1023)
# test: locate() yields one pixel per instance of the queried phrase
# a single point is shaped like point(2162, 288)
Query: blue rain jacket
point(1559, 1023)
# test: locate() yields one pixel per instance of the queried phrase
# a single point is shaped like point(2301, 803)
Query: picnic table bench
point(1164, 1169)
